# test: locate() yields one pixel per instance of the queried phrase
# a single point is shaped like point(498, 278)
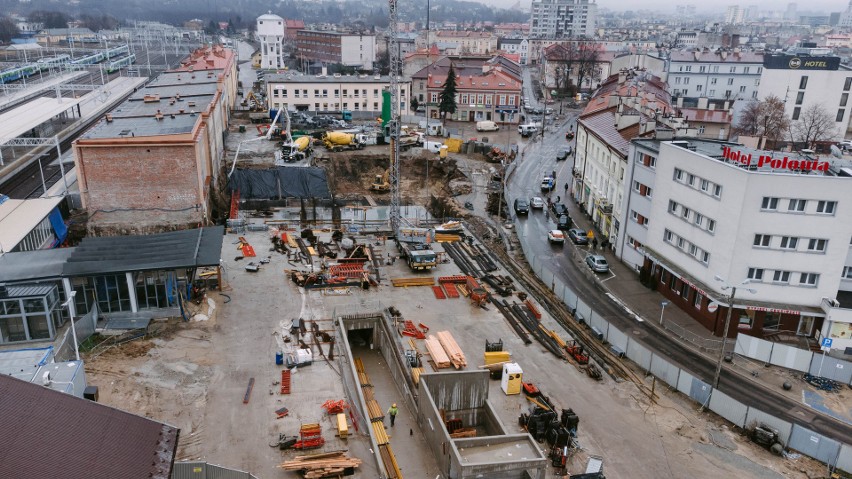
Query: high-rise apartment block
point(563, 18)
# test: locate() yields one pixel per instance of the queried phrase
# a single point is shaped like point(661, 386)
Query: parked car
point(563, 154)
point(558, 209)
point(537, 203)
point(522, 206)
point(578, 236)
point(597, 263)
point(845, 145)
point(555, 236)
point(563, 223)
point(487, 126)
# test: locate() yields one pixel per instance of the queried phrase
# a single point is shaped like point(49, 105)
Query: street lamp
point(67, 304)
point(663, 305)
point(733, 294)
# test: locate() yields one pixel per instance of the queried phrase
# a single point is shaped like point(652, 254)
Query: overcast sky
point(703, 6)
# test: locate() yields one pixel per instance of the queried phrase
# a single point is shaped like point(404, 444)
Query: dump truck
point(339, 141)
point(418, 256)
point(296, 150)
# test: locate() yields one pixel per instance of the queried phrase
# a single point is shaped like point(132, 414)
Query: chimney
point(108, 117)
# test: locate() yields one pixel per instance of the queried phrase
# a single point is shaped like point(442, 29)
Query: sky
point(702, 6)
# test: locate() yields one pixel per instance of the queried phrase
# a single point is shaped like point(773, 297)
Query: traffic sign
point(826, 342)
point(713, 306)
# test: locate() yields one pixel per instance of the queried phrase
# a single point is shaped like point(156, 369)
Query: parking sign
point(826, 342)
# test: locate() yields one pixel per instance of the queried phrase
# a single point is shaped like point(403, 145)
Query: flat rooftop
point(142, 126)
point(184, 78)
point(183, 90)
point(299, 78)
point(137, 107)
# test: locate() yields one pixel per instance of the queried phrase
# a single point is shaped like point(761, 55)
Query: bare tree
point(587, 64)
point(563, 56)
point(8, 29)
point(765, 119)
point(815, 124)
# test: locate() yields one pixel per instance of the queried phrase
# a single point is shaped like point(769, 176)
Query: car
point(578, 236)
point(537, 203)
point(845, 145)
point(522, 206)
point(563, 223)
point(563, 154)
point(558, 209)
point(555, 236)
point(547, 184)
point(597, 263)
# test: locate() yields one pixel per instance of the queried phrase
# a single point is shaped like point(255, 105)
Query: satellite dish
point(835, 152)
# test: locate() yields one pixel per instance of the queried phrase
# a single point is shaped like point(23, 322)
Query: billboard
point(800, 62)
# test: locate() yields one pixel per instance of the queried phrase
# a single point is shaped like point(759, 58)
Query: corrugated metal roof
point(33, 265)
point(28, 290)
point(24, 363)
point(47, 433)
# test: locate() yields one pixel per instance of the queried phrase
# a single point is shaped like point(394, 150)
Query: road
point(566, 262)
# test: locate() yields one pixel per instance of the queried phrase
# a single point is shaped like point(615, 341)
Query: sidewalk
point(678, 324)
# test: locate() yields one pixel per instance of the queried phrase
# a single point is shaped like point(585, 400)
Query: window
point(678, 174)
point(781, 276)
point(826, 207)
point(796, 205)
point(680, 242)
point(843, 99)
point(755, 274)
point(727, 93)
point(796, 112)
point(316, 93)
point(677, 80)
point(847, 84)
point(673, 207)
point(699, 218)
point(746, 69)
point(699, 87)
point(789, 242)
point(800, 97)
point(684, 290)
point(711, 93)
point(769, 203)
point(847, 272)
point(803, 83)
point(815, 244)
point(839, 116)
point(711, 226)
point(717, 191)
point(730, 81)
point(742, 89)
point(808, 279)
point(699, 299)
point(705, 185)
point(713, 81)
point(693, 250)
point(705, 257)
point(672, 282)
point(762, 240)
point(733, 69)
point(685, 212)
point(691, 179)
point(667, 235)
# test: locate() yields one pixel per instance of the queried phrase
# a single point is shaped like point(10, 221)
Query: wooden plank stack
point(439, 356)
point(415, 375)
point(452, 348)
point(329, 464)
point(416, 281)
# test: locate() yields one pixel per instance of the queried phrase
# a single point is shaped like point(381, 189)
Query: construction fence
point(203, 470)
point(793, 436)
point(794, 358)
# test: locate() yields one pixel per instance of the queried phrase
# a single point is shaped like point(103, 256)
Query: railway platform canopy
point(13, 97)
point(27, 225)
point(23, 119)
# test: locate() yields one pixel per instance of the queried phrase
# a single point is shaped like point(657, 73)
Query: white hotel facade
point(697, 209)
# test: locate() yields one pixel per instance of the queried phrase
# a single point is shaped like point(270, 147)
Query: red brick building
point(152, 163)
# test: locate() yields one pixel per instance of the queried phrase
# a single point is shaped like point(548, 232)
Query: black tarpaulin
point(280, 182)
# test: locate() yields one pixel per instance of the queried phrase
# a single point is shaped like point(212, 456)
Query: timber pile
point(374, 410)
point(452, 348)
point(330, 464)
point(380, 433)
point(405, 282)
point(464, 432)
point(415, 375)
point(389, 460)
point(439, 356)
point(447, 237)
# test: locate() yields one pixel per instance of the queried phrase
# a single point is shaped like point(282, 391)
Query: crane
point(264, 137)
point(395, 71)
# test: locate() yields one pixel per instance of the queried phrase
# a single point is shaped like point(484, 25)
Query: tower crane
point(395, 64)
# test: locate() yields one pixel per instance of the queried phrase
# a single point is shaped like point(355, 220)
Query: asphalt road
point(566, 262)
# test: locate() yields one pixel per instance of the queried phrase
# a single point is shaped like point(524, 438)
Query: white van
point(486, 126)
point(433, 146)
point(528, 129)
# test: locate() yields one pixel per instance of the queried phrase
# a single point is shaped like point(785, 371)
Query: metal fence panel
point(583, 310)
point(844, 461)
point(700, 391)
point(189, 470)
point(684, 382)
point(639, 354)
point(598, 322)
point(728, 407)
point(664, 370)
point(617, 338)
point(754, 348)
point(755, 417)
point(832, 368)
point(790, 357)
point(569, 298)
point(814, 445)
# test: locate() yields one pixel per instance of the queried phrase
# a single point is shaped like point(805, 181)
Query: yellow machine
point(339, 141)
point(381, 183)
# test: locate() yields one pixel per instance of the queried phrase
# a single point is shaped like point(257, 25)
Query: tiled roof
point(714, 57)
point(602, 124)
point(48, 433)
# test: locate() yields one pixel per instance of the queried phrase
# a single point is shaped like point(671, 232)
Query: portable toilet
point(512, 377)
point(443, 151)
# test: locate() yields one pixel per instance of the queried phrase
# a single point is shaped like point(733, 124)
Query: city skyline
point(664, 6)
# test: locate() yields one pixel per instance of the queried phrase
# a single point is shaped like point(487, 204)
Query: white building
point(563, 18)
point(332, 93)
point(699, 209)
point(734, 15)
point(845, 22)
point(719, 75)
point(518, 46)
point(270, 33)
point(802, 81)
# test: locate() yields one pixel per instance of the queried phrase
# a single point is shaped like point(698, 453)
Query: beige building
point(332, 93)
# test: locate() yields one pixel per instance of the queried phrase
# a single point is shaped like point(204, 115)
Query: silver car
point(597, 263)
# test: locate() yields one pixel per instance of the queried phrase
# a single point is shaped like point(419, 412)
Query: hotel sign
point(794, 62)
point(746, 159)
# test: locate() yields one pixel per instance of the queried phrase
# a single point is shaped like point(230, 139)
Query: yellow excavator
point(382, 183)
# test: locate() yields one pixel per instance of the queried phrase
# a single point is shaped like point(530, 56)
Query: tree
point(211, 28)
point(8, 29)
point(815, 124)
point(765, 119)
point(563, 56)
point(447, 98)
point(97, 23)
point(415, 103)
point(587, 64)
point(49, 19)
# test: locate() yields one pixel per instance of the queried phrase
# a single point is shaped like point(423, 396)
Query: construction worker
point(392, 413)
